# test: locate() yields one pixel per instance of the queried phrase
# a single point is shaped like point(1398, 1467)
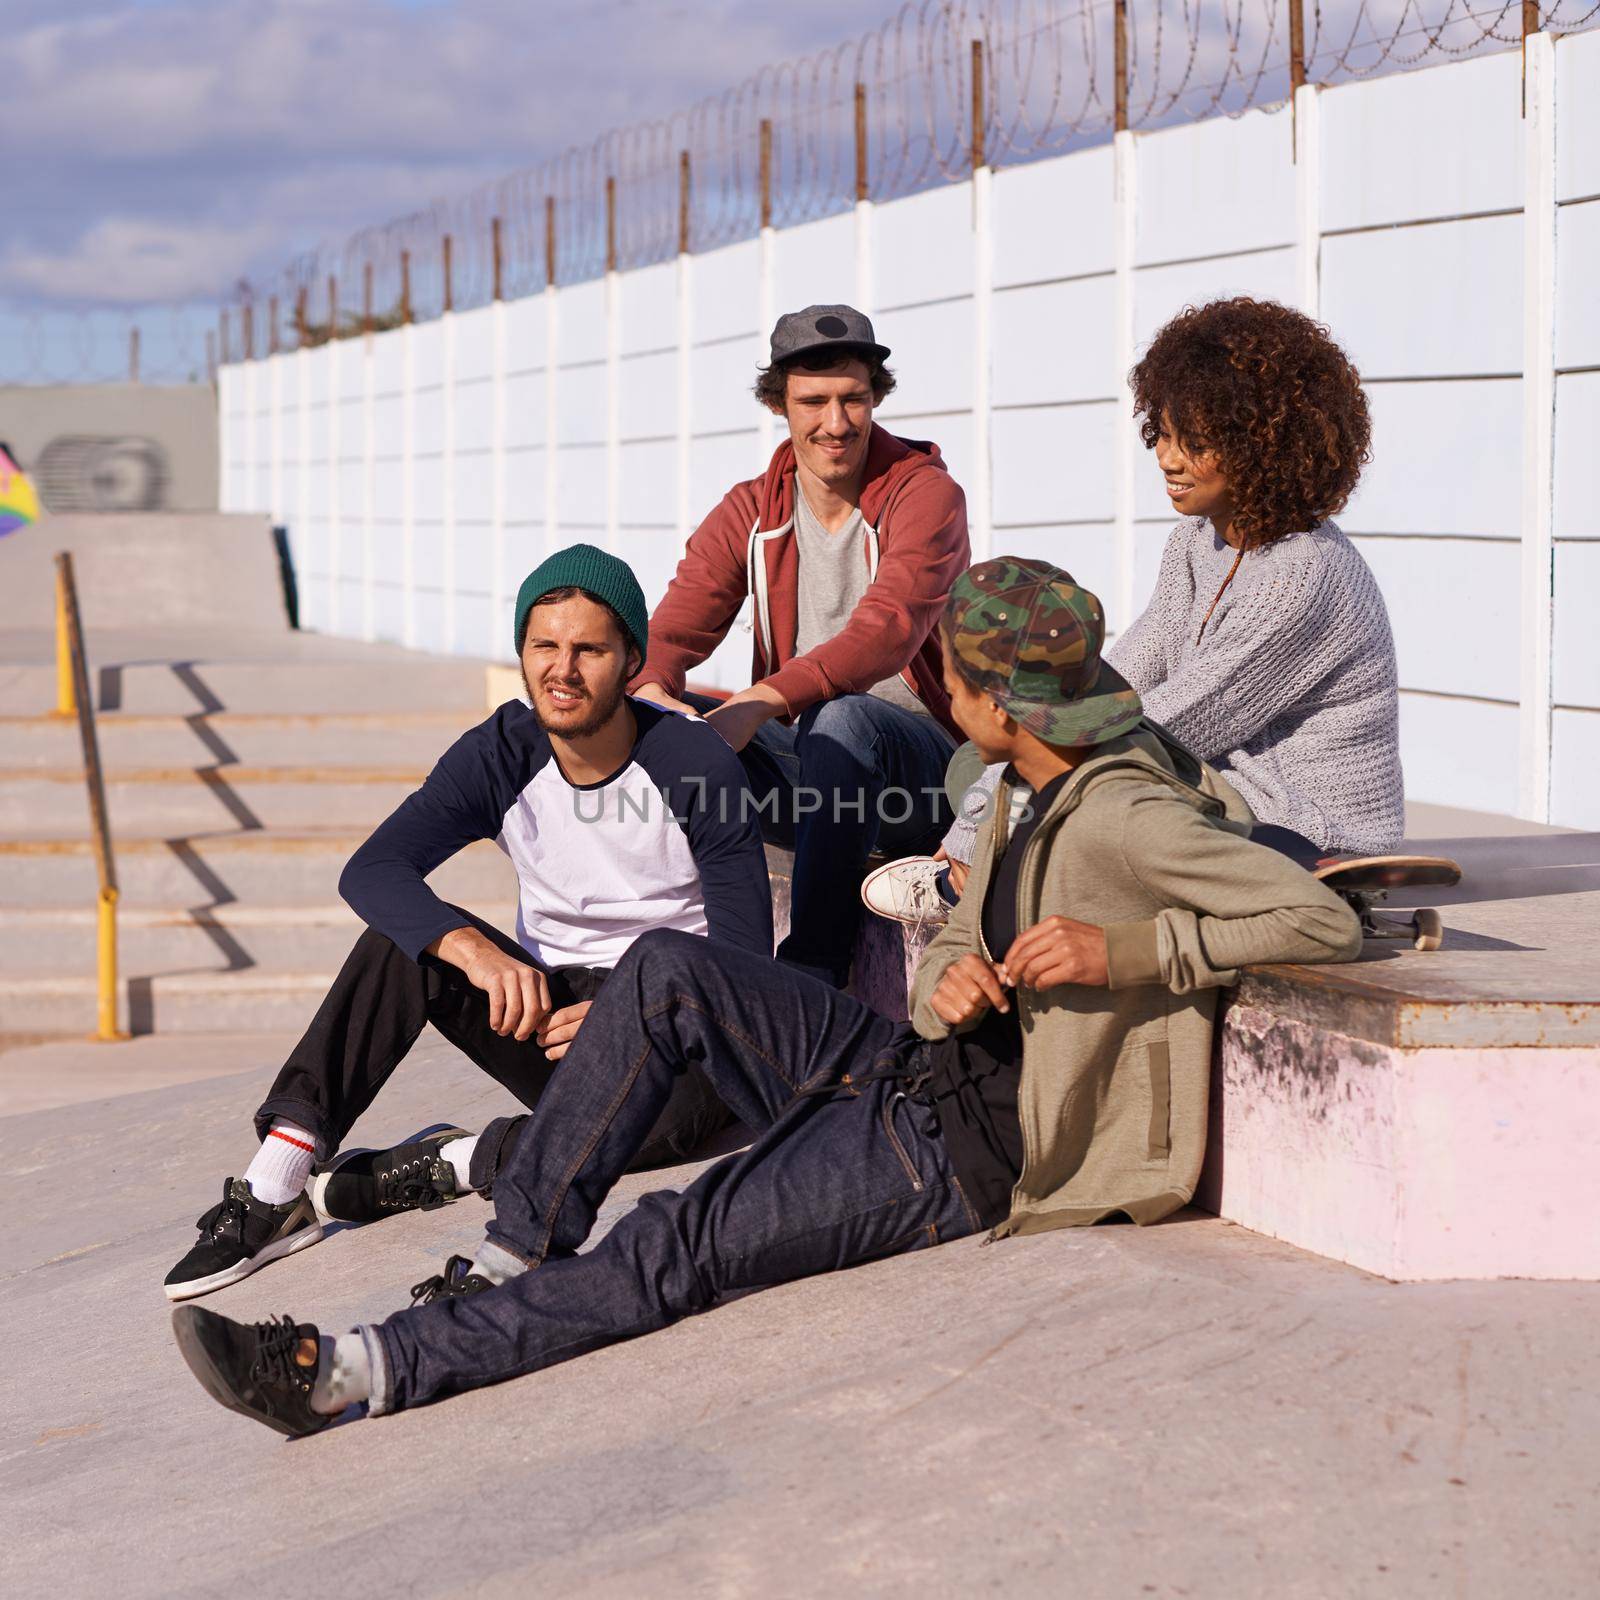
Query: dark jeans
point(848, 1174)
point(378, 1005)
point(851, 776)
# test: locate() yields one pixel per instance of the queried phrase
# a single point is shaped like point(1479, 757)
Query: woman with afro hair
point(1265, 648)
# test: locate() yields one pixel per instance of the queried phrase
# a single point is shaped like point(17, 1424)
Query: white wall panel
point(814, 265)
point(715, 465)
point(1446, 458)
point(1161, 292)
point(1435, 143)
point(474, 490)
point(1215, 188)
point(1577, 507)
point(428, 491)
point(525, 549)
point(1150, 502)
point(1576, 641)
point(1578, 116)
point(1459, 751)
point(388, 361)
point(649, 308)
point(474, 401)
point(1055, 341)
point(1454, 610)
point(1400, 301)
point(581, 405)
point(351, 377)
point(932, 362)
point(427, 563)
point(474, 343)
point(474, 559)
point(1052, 465)
point(427, 354)
point(1088, 553)
point(647, 399)
point(1577, 277)
point(388, 612)
point(427, 409)
point(387, 425)
point(581, 493)
point(721, 377)
point(952, 432)
point(1053, 219)
point(476, 632)
point(922, 248)
point(1575, 763)
point(653, 554)
point(649, 483)
point(726, 291)
point(525, 409)
point(582, 331)
point(525, 484)
point(427, 606)
point(1149, 542)
point(526, 321)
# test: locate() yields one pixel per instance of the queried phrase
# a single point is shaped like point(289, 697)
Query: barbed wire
point(905, 108)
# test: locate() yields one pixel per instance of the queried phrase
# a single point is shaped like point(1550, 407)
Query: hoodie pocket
point(1160, 1064)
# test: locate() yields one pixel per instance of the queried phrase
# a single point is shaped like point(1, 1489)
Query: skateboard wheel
point(1429, 930)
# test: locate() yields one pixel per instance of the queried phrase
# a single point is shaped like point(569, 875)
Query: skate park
point(1359, 1364)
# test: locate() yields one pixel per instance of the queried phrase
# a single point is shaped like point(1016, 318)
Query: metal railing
point(73, 700)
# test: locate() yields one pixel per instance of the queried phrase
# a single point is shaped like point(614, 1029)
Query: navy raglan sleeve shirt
point(704, 785)
point(464, 799)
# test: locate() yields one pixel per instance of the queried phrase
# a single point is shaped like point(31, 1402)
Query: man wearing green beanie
point(619, 817)
point(1065, 1022)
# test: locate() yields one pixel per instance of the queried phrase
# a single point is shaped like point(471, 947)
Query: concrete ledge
point(1462, 1162)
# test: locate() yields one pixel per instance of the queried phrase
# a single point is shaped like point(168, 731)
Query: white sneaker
point(907, 891)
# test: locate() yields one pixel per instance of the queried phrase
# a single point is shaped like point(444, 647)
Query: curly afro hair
point(1269, 391)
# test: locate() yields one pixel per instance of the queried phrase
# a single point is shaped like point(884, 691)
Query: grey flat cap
point(801, 333)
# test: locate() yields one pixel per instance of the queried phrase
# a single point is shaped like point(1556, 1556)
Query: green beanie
point(600, 575)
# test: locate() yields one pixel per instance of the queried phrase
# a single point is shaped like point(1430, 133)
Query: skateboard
point(1362, 881)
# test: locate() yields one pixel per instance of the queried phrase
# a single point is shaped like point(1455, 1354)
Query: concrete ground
point(1183, 1410)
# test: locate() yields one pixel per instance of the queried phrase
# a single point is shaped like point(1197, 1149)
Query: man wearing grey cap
point(847, 546)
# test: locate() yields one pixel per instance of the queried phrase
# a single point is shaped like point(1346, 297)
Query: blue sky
point(158, 149)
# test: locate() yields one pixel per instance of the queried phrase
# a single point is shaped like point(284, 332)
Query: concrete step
point(259, 868)
point(44, 940)
point(377, 739)
point(270, 677)
point(52, 803)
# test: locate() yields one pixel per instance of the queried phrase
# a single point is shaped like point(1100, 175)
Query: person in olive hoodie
point(846, 547)
point(1056, 1073)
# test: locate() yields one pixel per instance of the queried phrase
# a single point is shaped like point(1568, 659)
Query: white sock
point(495, 1264)
point(459, 1154)
point(344, 1374)
point(282, 1164)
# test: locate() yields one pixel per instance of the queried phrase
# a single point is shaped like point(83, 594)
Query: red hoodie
point(914, 547)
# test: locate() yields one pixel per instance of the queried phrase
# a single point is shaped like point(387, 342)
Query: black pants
point(372, 1016)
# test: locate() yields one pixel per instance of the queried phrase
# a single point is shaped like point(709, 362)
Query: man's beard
point(601, 710)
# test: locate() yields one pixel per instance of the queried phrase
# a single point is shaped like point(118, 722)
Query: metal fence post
point(1124, 436)
point(331, 354)
point(864, 284)
point(766, 286)
point(1536, 691)
point(133, 353)
point(552, 349)
point(982, 314)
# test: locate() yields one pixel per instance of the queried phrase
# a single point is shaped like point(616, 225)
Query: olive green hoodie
point(1113, 1095)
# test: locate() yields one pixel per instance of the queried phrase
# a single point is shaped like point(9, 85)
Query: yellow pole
point(66, 699)
point(108, 966)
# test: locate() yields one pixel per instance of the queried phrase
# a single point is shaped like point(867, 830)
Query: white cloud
point(134, 261)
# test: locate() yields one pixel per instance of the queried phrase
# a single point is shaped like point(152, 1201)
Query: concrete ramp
point(161, 570)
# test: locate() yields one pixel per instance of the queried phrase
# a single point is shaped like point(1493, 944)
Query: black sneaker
point(263, 1371)
point(239, 1235)
point(368, 1185)
point(456, 1281)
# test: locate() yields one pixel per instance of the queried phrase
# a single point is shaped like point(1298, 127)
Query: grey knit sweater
point(1290, 691)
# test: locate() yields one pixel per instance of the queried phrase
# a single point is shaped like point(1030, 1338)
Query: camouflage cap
point(1026, 634)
